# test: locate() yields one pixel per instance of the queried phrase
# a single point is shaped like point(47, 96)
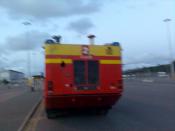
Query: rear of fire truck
point(82, 76)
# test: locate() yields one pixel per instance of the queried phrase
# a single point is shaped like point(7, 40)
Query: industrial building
point(11, 75)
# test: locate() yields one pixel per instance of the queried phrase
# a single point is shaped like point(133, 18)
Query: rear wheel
point(51, 114)
point(102, 111)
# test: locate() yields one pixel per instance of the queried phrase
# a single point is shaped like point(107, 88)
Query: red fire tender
point(82, 77)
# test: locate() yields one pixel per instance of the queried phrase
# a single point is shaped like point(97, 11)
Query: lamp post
point(27, 24)
point(167, 21)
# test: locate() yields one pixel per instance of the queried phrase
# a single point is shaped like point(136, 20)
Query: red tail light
point(50, 86)
point(113, 86)
point(120, 84)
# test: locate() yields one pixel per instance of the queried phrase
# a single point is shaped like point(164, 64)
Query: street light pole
point(167, 21)
point(26, 23)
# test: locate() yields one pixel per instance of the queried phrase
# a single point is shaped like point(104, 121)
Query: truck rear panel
point(80, 76)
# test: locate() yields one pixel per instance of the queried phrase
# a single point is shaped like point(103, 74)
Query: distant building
point(11, 75)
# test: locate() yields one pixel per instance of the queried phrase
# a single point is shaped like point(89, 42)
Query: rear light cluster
point(50, 86)
point(118, 85)
point(113, 86)
point(68, 85)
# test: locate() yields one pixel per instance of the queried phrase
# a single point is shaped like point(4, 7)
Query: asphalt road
point(15, 103)
point(146, 106)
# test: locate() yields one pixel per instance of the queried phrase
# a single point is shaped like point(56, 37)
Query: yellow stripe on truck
point(69, 61)
point(76, 50)
point(110, 61)
point(56, 49)
point(55, 61)
point(102, 50)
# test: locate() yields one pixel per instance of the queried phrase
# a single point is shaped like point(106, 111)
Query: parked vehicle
point(82, 77)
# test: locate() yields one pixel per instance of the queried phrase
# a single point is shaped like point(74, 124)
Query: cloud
point(81, 26)
point(14, 48)
point(140, 4)
point(27, 41)
point(3, 60)
point(40, 9)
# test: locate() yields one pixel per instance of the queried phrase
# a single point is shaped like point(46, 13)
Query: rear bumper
point(81, 101)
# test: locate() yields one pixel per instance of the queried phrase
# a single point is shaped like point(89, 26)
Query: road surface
point(15, 104)
point(145, 105)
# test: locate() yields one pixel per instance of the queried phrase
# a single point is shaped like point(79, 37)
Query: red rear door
point(86, 74)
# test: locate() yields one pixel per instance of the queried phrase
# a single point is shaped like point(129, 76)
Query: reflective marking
point(110, 61)
point(54, 61)
point(69, 61)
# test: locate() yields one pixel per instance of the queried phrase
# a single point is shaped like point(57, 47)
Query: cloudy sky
point(137, 24)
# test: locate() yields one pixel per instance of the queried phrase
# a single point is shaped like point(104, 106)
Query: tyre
point(51, 114)
point(102, 111)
